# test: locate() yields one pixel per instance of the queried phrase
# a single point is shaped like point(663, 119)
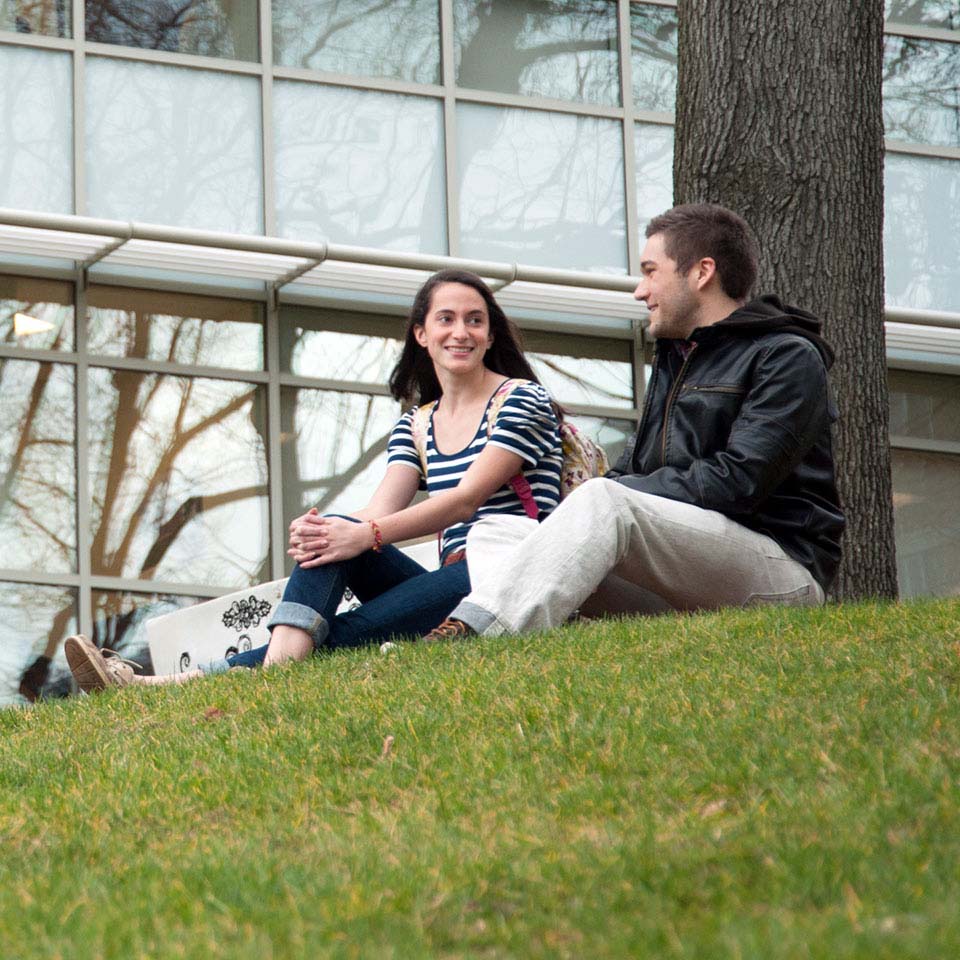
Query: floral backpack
point(582, 458)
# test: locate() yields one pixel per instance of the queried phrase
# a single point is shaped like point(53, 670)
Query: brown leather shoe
point(91, 668)
point(450, 629)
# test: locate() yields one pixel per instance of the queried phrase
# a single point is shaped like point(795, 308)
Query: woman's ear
point(420, 334)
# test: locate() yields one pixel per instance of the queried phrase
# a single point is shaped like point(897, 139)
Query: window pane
point(653, 46)
point(610, 434)
point(654, 161)
point(924, 406)
point(211, 28)
point(38, 491)
point(178, 479)
point(334, 449)
point(173, 326)
point(36, 148)
point(335, 345)
point(36, 621)
point(119, 620)
point(366, 37)
point(359, 167)
point(564, 50)
point(36, 314)
point(921, 91)
point(171, 145)
point(584, 370)
point(944, 14)
point(921, 232)
point(927, 532)
point(579, 380)
point(541, 188)
point(49, 17)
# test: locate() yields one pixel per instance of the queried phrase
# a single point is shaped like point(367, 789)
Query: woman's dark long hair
point(413, 378)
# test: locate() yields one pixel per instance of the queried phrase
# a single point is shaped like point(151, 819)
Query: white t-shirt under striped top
point(526, 425)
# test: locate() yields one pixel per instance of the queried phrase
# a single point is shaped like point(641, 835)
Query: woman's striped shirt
point(525, 425)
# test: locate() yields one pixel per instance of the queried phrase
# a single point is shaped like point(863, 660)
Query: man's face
point(670, 297)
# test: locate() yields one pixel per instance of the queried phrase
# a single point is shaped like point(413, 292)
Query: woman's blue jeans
point(398, 598)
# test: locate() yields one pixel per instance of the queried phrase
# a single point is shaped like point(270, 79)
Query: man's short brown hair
point(695, 230)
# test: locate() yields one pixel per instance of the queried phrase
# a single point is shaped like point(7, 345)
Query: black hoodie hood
point(765, 315)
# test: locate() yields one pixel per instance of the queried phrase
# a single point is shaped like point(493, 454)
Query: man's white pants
point(611, 549)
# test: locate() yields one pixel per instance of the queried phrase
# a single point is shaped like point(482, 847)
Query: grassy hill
point(763, 783)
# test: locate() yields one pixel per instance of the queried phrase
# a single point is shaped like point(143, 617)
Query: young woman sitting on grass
point(459, 349)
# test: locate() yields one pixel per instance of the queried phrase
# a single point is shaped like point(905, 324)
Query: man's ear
point(704, 271)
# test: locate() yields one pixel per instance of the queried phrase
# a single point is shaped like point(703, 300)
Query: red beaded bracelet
point(377, 536)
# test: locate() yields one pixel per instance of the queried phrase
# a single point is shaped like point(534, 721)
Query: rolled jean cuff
point(291, 614)
point(213, 667)
point(483, 621)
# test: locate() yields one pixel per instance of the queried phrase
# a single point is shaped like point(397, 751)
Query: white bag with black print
point(214, 629)
point(232, 623)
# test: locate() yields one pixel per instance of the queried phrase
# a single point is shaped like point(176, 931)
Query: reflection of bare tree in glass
point(560, 197)
point(539, 47)
point(37, 486)
point(542, 187)
point(922, 226)
point(596, 383)
point(360, 167)
point(337, 23)
point(25, 439)
point(112, 549)
point(931, 13)
point(173, 145)
point(653, 45)
point(208, 27)
point(383, 38)
point(143, 506)
point(921, 90)
point(37, 476)
point(35, 170)
point(35, 16)
point(331, 439)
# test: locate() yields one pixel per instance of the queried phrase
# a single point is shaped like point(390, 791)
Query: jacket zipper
point(695, 388)
point(677, 383)
point(647, 403)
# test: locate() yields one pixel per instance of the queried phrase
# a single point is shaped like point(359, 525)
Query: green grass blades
point(761, 783)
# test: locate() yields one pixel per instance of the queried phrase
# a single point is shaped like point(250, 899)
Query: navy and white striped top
point(526, 425)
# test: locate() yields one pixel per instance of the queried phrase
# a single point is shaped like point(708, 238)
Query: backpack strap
point(519, 483)
point(521, 487)
point(499, 398)
point(419, 424)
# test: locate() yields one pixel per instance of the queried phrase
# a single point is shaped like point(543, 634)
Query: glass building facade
point(161, 420)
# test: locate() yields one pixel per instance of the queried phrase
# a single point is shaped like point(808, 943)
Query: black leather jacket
point(741, 425)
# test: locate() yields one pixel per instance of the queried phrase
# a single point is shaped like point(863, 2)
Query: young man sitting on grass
point(726, 494)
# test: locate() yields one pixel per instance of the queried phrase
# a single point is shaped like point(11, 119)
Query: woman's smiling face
point(456, 331)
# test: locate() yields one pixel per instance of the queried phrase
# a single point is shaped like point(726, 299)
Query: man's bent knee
point(592, 493)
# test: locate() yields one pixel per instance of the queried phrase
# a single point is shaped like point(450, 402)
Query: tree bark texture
point(779, 117)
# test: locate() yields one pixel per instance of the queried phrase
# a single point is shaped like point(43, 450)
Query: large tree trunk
point(779, 118)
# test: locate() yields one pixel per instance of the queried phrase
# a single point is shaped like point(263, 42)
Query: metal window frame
point(83, 580)
point(895, 29)
point(86, 582)
point(922, 149)
point(447, 90)
point(274, 293)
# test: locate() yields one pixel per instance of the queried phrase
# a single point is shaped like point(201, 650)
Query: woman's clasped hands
point(316, 540)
